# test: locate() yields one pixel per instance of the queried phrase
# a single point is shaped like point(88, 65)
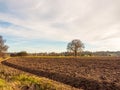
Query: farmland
point(14, 79)
point(87, 73)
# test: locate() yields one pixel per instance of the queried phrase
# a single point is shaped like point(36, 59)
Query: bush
point(22, 53)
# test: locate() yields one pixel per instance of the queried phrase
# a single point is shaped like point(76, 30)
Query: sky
point(49, 25)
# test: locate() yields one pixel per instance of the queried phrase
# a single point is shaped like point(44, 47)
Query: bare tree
point(3, 47)
point(75, 46)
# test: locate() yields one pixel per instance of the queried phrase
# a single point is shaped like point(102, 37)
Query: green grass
point(36, 83)
point(4, 85)
point(29, 81)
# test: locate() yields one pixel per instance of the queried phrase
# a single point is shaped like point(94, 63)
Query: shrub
point(22, 53)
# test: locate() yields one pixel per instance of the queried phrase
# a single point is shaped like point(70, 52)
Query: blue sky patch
point(3, 7)
point(5, 24)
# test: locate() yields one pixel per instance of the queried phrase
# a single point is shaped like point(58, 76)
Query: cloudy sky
point(48, 25)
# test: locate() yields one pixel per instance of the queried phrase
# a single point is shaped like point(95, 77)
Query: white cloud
point(95, 22)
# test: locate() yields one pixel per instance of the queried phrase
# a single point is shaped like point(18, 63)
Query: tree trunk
point(75, 53)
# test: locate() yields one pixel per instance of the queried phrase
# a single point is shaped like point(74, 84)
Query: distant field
point(87, 73)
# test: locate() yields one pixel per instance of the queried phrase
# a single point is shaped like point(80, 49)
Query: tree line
point(74, 48)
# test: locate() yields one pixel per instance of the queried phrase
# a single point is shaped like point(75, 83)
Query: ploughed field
point(13, 79)
point(87, 73)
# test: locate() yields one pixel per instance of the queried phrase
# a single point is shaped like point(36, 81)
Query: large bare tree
point(75, 46)
point(3, 47)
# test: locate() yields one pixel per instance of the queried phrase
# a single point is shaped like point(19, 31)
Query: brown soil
point(88, 73)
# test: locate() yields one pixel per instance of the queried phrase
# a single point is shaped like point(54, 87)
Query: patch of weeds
point(4, 85)
point(32, 82)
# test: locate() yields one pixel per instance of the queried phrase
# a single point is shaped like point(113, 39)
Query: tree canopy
point(75, 46)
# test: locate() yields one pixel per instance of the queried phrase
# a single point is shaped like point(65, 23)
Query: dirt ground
point(91, 73)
